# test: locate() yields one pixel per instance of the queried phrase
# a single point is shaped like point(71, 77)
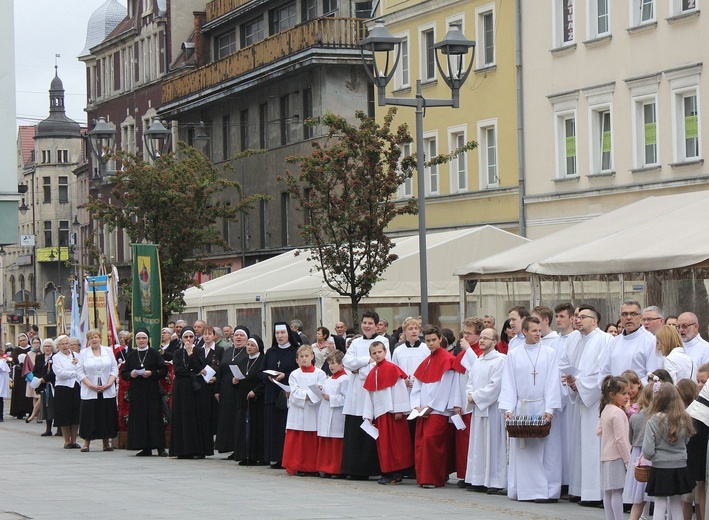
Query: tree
point(352, 179)
point(173, 202)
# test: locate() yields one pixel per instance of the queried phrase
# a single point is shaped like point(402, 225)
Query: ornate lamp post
point(101, 139)
point(378, 47)
point(157, 139)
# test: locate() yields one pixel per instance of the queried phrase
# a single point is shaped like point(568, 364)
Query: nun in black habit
point(281, 358)
point(146, 429)
point(249, 417)
point(226, 390)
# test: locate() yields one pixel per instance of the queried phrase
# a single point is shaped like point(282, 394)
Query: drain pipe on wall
point(520, 118)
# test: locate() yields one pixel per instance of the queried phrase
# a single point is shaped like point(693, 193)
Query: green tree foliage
point(175, 203)
point(352, 179)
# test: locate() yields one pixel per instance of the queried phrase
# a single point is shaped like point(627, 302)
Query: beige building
point(612, 105)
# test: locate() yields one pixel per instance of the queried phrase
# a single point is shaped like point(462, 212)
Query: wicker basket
point(642, 473)
point(528, 427)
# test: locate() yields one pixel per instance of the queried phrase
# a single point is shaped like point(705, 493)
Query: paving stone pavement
point(40, 480)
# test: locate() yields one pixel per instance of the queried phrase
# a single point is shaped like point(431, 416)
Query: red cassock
point(300, 451)
point(394, 445)
point(329, 455)
point(435, 440)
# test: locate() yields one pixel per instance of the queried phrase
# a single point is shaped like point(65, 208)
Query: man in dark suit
point(382, 327)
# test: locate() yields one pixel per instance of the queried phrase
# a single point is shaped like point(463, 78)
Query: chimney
point(201, 47)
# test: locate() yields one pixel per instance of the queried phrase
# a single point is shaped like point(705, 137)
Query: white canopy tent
point(289, 283)
point(639, 251)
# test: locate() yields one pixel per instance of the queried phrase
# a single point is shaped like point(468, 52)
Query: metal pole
point(423, 267)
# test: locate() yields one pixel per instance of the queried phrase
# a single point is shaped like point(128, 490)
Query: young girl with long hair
point(668, 429)
point(634, 491)
point(635, 387)
point(615, 446)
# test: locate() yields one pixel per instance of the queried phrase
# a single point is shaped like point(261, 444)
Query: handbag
point(282, 401)
point(642, 473)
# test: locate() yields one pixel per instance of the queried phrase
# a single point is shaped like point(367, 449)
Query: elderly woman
point(190, 431)
point(281, 361)
point(226, 390)
point(43, 371)
point(97, 371)
point(67, 399)
point(144, 368)
point(168, 346)
point(20, 404)
point(30, 360)
point(677, 362)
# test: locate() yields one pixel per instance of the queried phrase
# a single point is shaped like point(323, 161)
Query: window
point(252, 32)
point(599, 23)
point(265, 234)
point(642, 12)
point(308, 131)
point(405, 190)
point(602, 145)
point(46, 156)
point(568, 132)
point(646, 115)
point(430, 147)
point(363, 10)
point(309, 10)
point(63, 233)
point(47, 233)
point(567, 21)
point(244, 127)
point(285, 114)
point(225, 44)
point(47, 189)
point(459, 163)
point(63, 189)
point(128, 135)
point(485, 29)
point(226, 137)
point(686, 127)
point(283, 18)
point(487, 153)
point(63, 156)
point(401, 76)
point(285, 218)
point(262, 122)
point(329, 7)
point(428, 54)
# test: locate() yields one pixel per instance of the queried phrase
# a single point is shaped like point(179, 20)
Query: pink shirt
point(613, 429)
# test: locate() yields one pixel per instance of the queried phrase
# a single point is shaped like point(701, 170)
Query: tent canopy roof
point(651, 234)
point(290, 276)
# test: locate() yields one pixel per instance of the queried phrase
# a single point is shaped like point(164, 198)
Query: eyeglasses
point(645, 320)
point(584, 316)
point(629, 314)
point(685, 326)
point(485, 338)
point(188, 336)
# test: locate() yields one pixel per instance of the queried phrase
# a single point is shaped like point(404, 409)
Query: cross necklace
point(534, 364)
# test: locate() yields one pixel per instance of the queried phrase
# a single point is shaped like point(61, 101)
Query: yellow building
point(480, 186)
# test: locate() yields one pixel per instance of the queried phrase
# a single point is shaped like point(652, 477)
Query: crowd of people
point(419, 404)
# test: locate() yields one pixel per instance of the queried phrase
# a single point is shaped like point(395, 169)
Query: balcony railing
point(216, 8)
point(321, 33)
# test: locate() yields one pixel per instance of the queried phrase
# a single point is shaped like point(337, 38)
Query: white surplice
point(358, 360)
point(394, 399)
point(442, 395)
point(635, 351)
point(303, 413)
point(530, 386)
point(4, 379)
point(680, 365)
point(564, 417)
point(409, 358)
point(585, 355)
point(698, 350)
point(331, 422)
point(487, 448)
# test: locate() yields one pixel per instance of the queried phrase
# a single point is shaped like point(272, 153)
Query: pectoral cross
point(534, 375)
point(278, 364)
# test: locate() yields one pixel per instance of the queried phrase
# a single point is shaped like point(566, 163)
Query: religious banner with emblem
point(147, 291)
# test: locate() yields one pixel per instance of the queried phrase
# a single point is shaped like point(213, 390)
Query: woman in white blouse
point(67, 400)
point(97, 372)
point(677, 362)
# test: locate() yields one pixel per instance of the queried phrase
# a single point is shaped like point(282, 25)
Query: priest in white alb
point(530, 386)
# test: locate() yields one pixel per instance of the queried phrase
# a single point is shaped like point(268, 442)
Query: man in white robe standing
point(487, 450)
point(694, 345)
point(581, 363)
point(530, 386)
point(652, 319)
point(634, 349)
point(409, 354)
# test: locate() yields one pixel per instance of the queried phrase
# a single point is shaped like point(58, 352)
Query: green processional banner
point(147, 291)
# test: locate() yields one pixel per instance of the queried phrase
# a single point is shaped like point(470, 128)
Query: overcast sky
point(44, 28)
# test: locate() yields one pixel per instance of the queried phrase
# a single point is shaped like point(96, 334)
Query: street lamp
point(157, 139)
point(101, 139)
point(454, 46)
point(201, 138)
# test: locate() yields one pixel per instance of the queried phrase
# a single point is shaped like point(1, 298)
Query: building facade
point(479, 186)
point(252, 73)
point(612, 105)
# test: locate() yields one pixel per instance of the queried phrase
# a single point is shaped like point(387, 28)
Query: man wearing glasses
point(634, 349)
point(582, 357)
point(653, 318)
point(694, 345)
